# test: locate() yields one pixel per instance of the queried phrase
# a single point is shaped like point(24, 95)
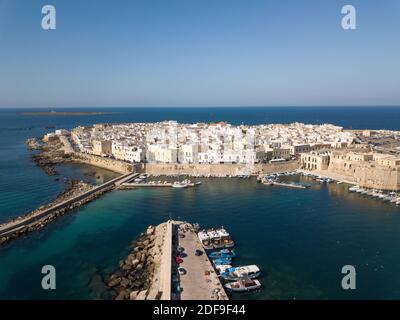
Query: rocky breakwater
point(137, 273)
point(50, 152)
point(39, 218)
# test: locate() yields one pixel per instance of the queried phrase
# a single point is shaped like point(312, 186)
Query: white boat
point(354, 189)
point(205, 240)
point(387, 198)
point(395, 199)
point(221, 268)
point(376, 194)
point(226, 239)
point(243, 285)
point(178, 184)
point(237, 273)
point(215, 239)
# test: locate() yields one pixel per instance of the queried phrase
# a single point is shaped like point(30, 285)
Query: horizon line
point(199, 106)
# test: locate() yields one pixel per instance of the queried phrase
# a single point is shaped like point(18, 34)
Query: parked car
point(181, 271)
point(178, 260)
point(180, 249)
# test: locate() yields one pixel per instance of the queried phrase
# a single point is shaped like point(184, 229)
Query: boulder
point(133, 295)
point(114, 282)
point(125, 282)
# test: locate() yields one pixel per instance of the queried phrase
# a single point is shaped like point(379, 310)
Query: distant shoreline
point(64, 113)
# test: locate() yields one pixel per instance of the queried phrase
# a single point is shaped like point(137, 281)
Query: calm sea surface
point(299, 238)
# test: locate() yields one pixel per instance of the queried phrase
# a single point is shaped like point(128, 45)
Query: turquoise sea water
point(299, 238)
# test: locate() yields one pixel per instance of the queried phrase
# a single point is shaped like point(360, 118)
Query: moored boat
point(220, 261)
point(178, 184)
point(236, 273)
point(224, 253)
point(205, 240)
point(243, 285)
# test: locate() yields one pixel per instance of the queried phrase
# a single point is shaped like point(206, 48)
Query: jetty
point(133, 185)
point(41, 217)
point(288, 185)
point(151, 270)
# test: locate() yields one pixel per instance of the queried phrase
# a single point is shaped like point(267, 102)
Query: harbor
point(175, 260)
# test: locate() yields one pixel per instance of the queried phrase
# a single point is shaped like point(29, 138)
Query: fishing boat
point(224, 253)
point(217, 238)
point(237, 273)
point(226, 239)
point(220, 261)
point(221, 268)
point(205, 240)
point(243, 285)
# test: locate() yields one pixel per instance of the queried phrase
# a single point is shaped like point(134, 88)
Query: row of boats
point(392, 197)
point(218, 245)
point(142, 179)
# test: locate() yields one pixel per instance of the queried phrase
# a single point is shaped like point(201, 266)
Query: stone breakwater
point(39, 218)
point(138, 273)
point(49, 154)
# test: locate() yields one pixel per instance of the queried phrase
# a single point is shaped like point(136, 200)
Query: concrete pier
point(200, 282)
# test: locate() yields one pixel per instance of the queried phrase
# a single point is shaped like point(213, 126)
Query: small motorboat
point(178, 184)
point(243, 285)
point(222, 261)
point(222, 268)
point(224, 253)
point(236, 273)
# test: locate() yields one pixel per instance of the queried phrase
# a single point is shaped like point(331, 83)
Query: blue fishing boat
point(222, 261)
point(224, 253)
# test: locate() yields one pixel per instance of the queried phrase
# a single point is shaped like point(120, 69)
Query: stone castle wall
point(106, 163)
point(367, 174)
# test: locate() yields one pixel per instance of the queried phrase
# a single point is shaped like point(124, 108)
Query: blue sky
point(199, 53)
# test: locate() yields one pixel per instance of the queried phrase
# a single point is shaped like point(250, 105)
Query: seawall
point(106, 163)
point(218, 170)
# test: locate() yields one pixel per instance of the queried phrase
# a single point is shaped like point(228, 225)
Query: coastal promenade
point(19, 225)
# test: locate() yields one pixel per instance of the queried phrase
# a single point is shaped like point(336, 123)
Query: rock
point(125, 282)
point(114, 282)
point(146, 243)
point(150, 230)
point(128, 262)
point(135, 262)
point(133, 295)
point(139, 266)
point(120, 296)
point(126, 267)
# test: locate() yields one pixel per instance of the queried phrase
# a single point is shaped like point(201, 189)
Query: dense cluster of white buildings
point(172, 142)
